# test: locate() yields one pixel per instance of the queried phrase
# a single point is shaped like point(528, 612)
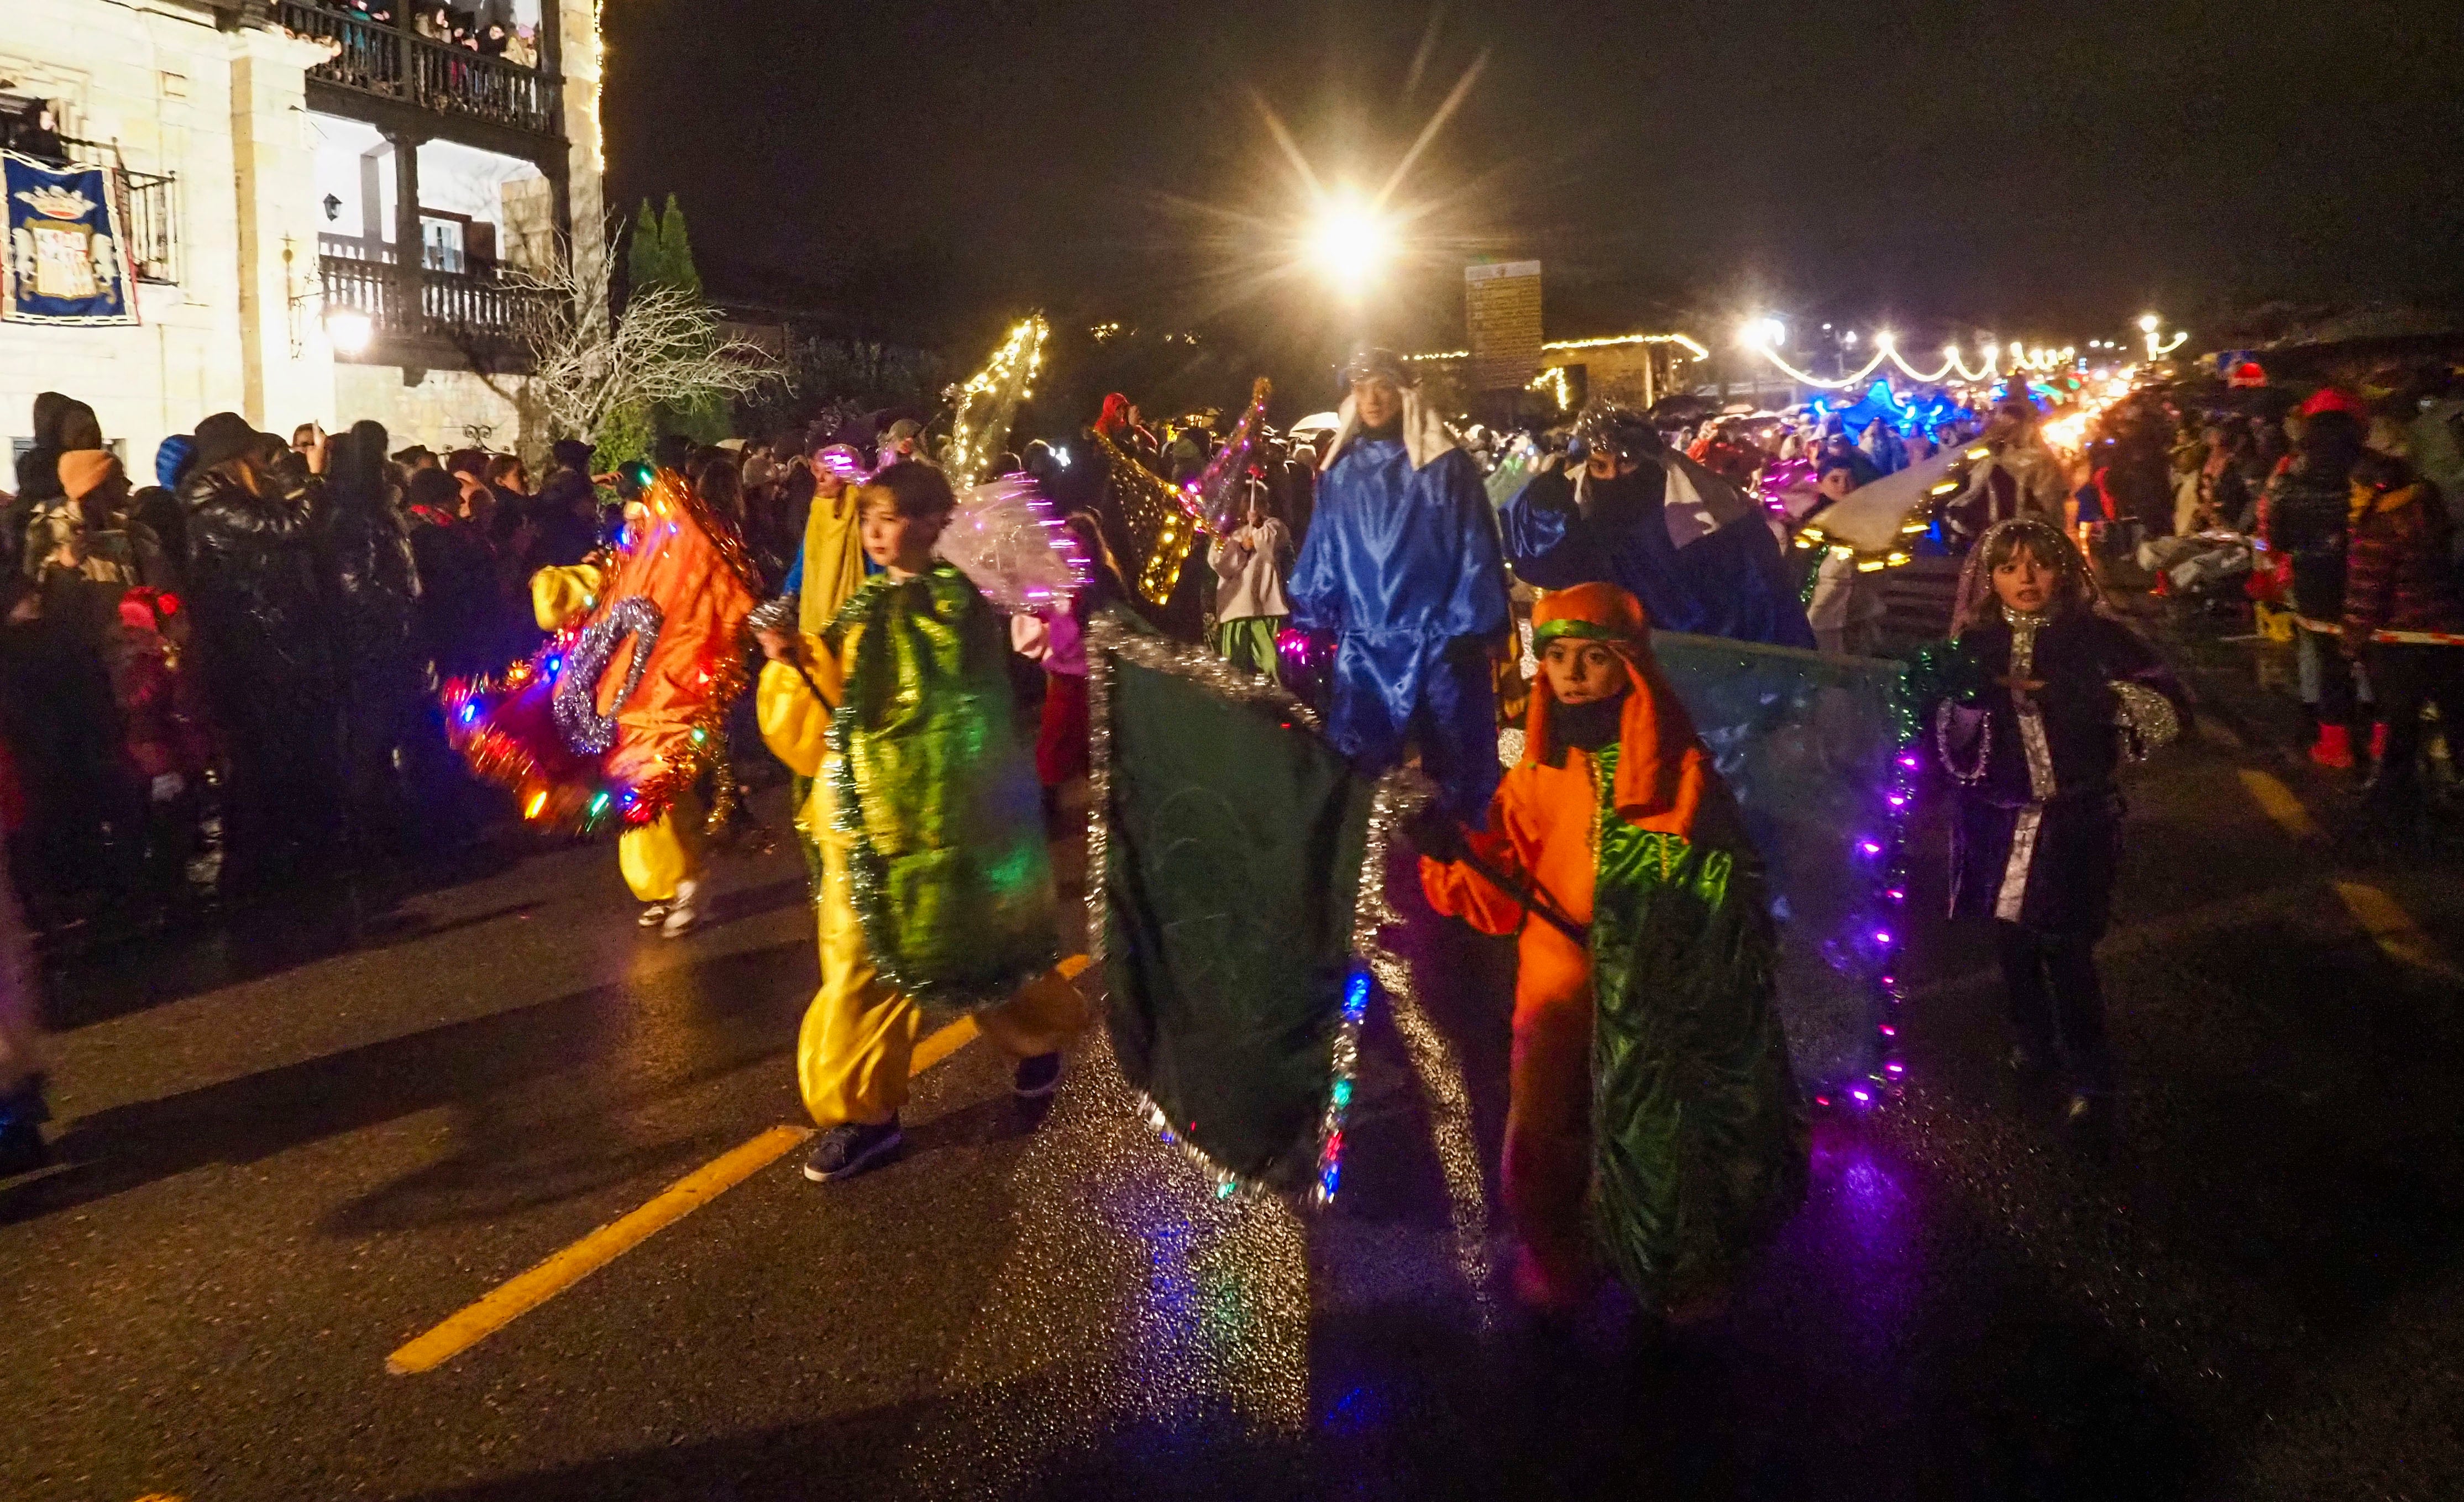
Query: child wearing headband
point(1650, 1077)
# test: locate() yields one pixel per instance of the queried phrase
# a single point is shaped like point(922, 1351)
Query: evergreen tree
point(661, 255)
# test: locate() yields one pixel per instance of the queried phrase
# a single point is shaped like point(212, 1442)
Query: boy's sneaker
point(851, 1148)
point(683, 914)
point(1036, 1077)
point(653, 914)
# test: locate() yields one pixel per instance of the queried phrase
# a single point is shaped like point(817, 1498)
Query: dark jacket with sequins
point(2079, 656)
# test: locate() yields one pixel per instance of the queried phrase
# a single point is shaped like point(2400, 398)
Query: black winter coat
point(257, 584)
point(375, 583)
point(2308, 521)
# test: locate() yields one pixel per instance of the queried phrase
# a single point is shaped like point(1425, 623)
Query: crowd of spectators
point(488, 30)
point(223, 678)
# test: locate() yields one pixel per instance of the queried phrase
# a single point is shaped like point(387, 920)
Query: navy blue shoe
point(1036, 1077)
point(851, 1148)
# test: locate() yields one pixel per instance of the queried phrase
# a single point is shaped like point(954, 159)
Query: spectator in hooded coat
point(375, 586)
point(62, 424)
point(264, 642)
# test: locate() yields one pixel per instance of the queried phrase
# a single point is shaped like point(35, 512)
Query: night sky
point(2045, 171)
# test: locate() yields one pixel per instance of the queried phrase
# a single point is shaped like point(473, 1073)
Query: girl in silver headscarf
point(2030, 707)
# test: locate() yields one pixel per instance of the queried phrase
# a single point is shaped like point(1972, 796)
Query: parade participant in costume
point(1249, 565)
point(1649, 1072)
point(1693, 548)
point(1846, 608)
point(827, 571)
point(622, 719)
point(1055, 639)
point(2030, 707)
point(1402, 566)
point(2021, 477)
point(938, 896)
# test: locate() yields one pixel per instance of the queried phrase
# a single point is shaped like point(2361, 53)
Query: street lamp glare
point(1850, 337)
point(2148, 322)
point(348, 330)
point(1349, 244)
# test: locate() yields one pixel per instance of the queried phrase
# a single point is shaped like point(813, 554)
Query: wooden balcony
point(480, 319)
point(403, 68)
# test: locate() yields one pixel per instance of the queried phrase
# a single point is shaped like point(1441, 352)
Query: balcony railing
point(465, 311)
point(149, 210)
point(392, 64)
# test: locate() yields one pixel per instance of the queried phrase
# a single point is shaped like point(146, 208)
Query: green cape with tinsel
point(949, 869)
point(1700, 1130)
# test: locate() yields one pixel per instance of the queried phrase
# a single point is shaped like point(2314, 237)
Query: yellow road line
point(510, 1300)
point(2278, 802)
point(941, 1045)
point(2392, 929)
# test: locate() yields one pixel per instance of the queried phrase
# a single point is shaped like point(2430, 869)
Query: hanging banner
point(67, 262)
point(1502, 315)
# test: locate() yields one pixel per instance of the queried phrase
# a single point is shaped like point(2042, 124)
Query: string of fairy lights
point(1763, 335)
point(988, 403)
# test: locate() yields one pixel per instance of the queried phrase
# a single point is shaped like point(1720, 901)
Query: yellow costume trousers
point(655, 856)
point(852, 1053)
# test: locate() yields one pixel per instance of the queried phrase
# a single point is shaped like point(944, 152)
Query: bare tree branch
point(589, 363)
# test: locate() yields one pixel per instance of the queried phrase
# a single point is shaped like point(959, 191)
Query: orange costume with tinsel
point(652, 642)
point(1648, 813)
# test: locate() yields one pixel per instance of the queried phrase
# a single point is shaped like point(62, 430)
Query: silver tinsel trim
point(778, 613)
point(576, 705)
point(2146, 718)
point(1399, 795)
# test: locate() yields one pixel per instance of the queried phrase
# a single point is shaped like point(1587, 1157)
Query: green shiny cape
point(1700, 1129)
point(949, 869)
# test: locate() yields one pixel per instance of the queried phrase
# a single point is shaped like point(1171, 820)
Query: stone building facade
point(264, 146)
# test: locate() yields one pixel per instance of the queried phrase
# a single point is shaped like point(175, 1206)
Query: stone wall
point(443, 407)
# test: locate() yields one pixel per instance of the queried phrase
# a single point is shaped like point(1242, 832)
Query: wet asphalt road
point(288, 1150)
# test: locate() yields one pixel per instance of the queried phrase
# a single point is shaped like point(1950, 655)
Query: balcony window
point(148, 206)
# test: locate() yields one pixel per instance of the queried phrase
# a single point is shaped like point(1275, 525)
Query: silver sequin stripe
point(2023, 855)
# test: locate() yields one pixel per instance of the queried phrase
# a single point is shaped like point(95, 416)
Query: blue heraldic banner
point(67, 261)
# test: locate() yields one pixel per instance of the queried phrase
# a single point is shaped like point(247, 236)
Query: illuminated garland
point(2042, 360)
point(1163, 520)
point(1874, 938)
point(1222, 491)
point(988, 403)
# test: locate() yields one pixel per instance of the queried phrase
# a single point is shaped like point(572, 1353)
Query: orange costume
point(1650, 811)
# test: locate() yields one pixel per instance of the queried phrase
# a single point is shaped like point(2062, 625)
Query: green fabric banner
point(1232, 841)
